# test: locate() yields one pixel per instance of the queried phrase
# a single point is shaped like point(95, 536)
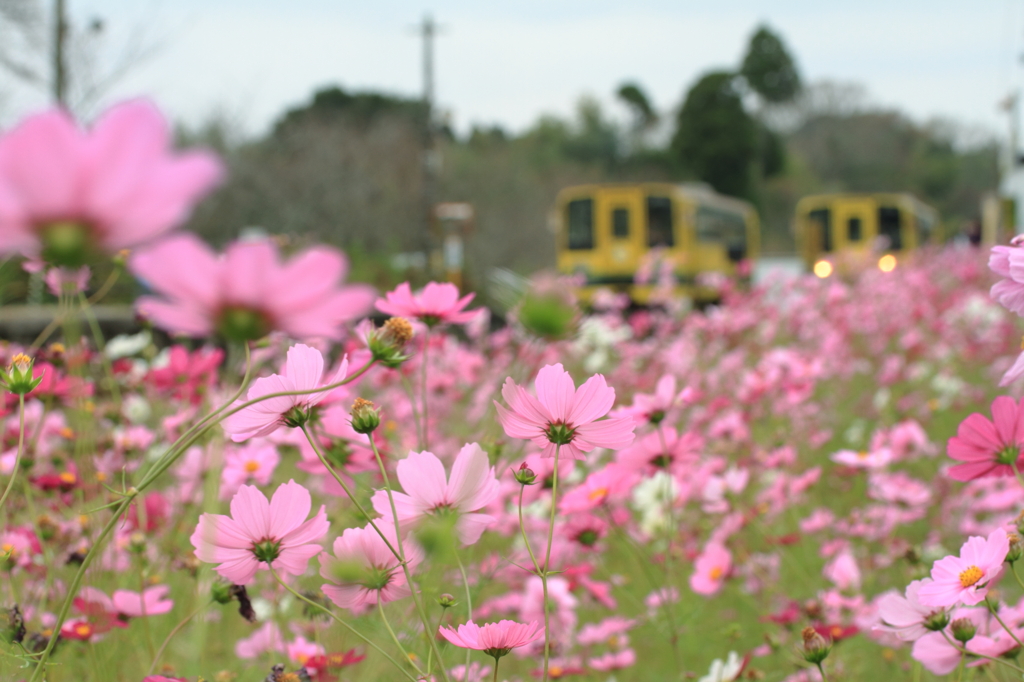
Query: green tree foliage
point(716, 139)
point(634, 98)
point(769, 69)
point(335, 104)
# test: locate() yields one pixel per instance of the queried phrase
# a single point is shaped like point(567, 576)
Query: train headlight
point(823, 269)
point(887, 263)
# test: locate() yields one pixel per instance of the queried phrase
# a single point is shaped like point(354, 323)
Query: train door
point(620, 221)
point(854, 224)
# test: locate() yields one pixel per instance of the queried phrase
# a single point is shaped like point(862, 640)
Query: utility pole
point(60, 34)
point(431, 156)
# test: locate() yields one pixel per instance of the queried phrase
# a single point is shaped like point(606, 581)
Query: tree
point(644, 115)
point(769, 69)
point(715, 138)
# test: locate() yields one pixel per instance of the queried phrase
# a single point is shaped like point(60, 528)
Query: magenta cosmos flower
point(562, 416)
point(247, 292)
point(494, 639)
point(303, 371)
point(65, 192)
point(470, 488)
point(260, 534)
point(436, 304)
point(364, 571)
point(989, 448)
point(966, 578)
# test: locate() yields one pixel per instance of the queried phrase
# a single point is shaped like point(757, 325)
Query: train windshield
point(889, 228)
point(581, 224)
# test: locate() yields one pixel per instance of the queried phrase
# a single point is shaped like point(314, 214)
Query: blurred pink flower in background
point(966, 578)
point(152, 602)
point(247, 292)
point(471, 487)
point(65, 191)
point(260, 533)
point(303, 371)
point(363, 570)
point(989, 448)
point(69, 281)
point(254, 463)
point(266, 639)
point(438, 303)
point(710, 569)
point(905, 616)
point(494, 639)
point(563, 415)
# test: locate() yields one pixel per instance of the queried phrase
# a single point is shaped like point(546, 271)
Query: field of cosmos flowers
point(815, 479)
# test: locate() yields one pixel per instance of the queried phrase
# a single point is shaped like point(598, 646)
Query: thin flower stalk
point(21, 447)
point(547, 565)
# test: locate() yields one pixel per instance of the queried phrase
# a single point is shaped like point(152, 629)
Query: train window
point(889, 228)
point(581, 224)
point(823, 217)
point(659, 222)
point(620, 222)
point(853, 232)
point(924, 229)
point(715, 225)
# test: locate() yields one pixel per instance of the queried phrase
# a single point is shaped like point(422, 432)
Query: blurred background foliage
point(346, 168)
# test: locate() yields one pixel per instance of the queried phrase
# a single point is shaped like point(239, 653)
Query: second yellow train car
point(836, 231)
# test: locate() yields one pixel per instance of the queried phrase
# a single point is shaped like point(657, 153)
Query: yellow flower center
point(555, 671)
point(83, 630)
point(598, 494)
point(7, 548)
point(252, 467)
point(862, 455)
point(715, 573)
point(67, 477)
point(970, 576)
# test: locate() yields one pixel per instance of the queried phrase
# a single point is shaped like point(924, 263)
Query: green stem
point(1016, 472)
point(431, 641)
point(413, 403)
point(992, 610)
point(824, 677)
point(423, 392)
point(58, 319)
point(341, 622)
point(469, 600)
point(21, 445)
point(522, 530)
point(547, 565)
point(1013, 570)
point(101, 344)
point(177, 628)
point(394, 637)
point(493, 679)
point(430, 652)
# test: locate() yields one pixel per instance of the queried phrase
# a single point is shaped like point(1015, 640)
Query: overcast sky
point(507, 63)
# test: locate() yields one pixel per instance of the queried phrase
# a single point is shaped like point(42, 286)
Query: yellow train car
point(608, 232)
point(837, 231)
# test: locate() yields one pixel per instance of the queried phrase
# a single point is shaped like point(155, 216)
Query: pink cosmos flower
point(301, 651)
point(843, 571)
point(267, 638)
point(188, 376)
point(711, 569)
point(613, 660)
point(255, 463)
point(653, 408)
point(438, 303)
point(563, 416)
point(247, 292)
point(966, 578)
point(1008, 262)
point(494, 639)
point(611, 484)
point(260, 534)
point(64, 190)
point(304, 369)
point(151, 602)
point(471, 487)
point(71, 281)
point(906, 616)
point(874, 459)
point(381, 577)
point(987, 448)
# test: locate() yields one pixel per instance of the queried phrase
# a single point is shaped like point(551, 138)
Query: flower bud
point(963, 629)
point(365, 416)
point(387, 343)
point(937, 621)
point(18, 377)
point(222, 592)
point(447, 601)
point(1016, 548)
point(524, 475)
point(816, 648)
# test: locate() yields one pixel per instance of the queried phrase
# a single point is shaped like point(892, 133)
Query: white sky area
point(507, 63)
